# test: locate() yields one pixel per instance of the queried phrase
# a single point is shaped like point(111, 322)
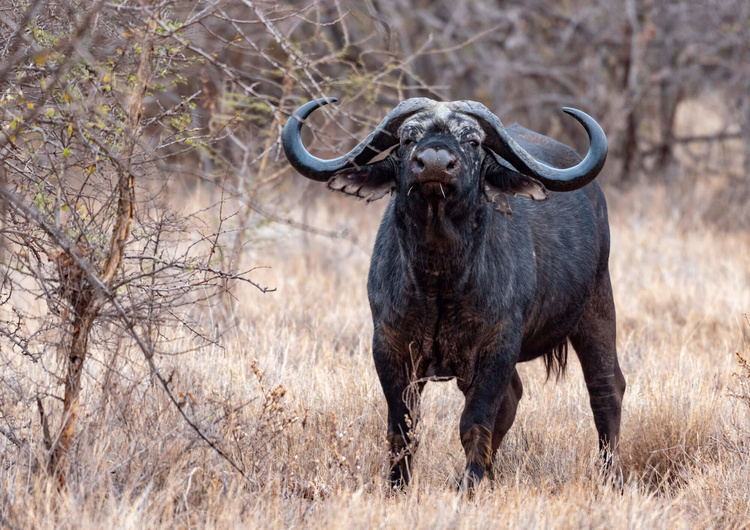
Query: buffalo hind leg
point(505, 415)
point(594, 343)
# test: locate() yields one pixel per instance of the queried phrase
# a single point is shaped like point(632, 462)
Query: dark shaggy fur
point(556, 360)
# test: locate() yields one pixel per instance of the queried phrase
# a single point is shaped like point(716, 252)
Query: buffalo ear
point(370, 182)
point(501, 181)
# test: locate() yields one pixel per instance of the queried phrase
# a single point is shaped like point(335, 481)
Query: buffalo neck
point(439, 246)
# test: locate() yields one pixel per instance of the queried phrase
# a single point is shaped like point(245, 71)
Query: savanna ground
point(282, 383)
point(295, 401)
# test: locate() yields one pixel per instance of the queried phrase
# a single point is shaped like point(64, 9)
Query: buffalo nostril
point(431, 159)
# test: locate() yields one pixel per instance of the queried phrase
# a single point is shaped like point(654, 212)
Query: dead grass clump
point(672, 431)
point(742, 391)
point(718, 494)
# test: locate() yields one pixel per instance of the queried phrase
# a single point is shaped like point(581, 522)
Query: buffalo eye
point(406, 142)
point(473, 143)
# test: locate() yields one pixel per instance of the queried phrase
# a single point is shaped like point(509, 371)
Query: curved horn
point(382, 138)
point(554, 179)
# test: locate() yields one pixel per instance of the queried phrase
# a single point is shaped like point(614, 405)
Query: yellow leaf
point(64, 207)
point(30, 105)
point(119, 51)
point(66, 152)
point(70, 130)
point(67, 97)
point(106, 78)
point(91, 169)
point(12, 138)
point(50, 112)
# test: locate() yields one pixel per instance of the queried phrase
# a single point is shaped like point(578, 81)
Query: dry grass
point(295, 401)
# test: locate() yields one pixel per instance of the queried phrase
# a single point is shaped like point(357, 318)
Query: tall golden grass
point(295, 401)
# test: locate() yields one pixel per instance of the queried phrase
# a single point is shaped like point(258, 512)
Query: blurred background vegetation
point(140, 151)
point(665, 78)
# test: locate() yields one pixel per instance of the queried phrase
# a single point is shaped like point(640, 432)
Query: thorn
point(409, 192)
point(441, 190)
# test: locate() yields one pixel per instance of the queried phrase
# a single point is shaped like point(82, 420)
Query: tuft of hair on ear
point(502, 181)
point(499, 199)
point(370, 182)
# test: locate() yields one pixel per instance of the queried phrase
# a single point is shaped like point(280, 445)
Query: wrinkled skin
point(476, 268)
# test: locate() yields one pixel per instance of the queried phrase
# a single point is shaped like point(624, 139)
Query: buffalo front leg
point(403, 414)
point(507, 413)
point(594, 343)
point(402, 395)
point(505, 416)
point(484, 405)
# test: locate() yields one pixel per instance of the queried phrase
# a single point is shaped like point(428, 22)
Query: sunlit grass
point(294, 401)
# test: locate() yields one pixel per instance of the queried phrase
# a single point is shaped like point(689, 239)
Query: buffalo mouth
point(436, 188)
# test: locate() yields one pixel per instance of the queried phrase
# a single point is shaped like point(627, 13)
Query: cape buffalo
point(488, 255)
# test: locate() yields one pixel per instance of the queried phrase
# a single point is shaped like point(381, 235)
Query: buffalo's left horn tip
point(577, 114)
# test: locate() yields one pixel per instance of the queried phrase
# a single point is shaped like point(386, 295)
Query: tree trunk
point(745, 128)
point(630, 153)
point(85, 312)
point(85, 301)
point(670, 94)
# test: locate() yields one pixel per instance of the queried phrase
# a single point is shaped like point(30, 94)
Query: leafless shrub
point(74, 199)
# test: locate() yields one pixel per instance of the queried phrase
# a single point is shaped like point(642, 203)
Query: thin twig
point(12, 437)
